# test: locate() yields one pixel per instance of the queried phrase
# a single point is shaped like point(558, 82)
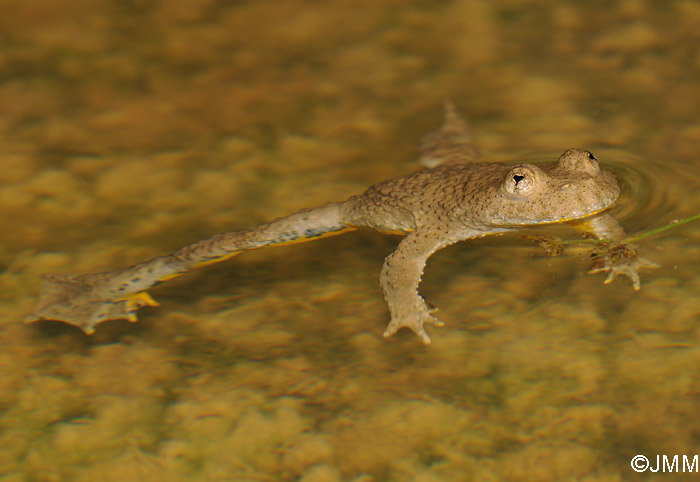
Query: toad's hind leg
point(451, 143)
point(89, 299)
point(399, 279)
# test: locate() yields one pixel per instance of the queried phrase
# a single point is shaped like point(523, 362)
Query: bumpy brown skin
point(455, 199)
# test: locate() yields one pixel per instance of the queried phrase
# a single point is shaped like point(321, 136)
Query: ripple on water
point(652, 194)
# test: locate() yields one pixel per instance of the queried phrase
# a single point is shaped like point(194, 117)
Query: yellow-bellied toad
point(454, 199)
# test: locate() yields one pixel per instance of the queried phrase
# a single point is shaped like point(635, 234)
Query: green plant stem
point(673, 224)
point(638, 236)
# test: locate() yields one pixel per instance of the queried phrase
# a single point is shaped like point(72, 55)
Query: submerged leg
point(399, 279)
point(452, 142)
point(616, 257)
point(89, 299)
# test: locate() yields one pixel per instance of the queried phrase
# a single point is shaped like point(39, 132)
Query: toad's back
point(434, 196)
point(487, 196)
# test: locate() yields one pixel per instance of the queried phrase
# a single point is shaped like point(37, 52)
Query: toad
point(455, 198)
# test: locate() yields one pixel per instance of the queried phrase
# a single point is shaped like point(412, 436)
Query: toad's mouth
point(575, 216)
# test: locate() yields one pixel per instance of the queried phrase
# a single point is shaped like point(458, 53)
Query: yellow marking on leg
point(133, 303)
point(199, 265)
point(211, 261)
point(139, 299)
point(234, 253)
point(169, 277)
point(396, 231)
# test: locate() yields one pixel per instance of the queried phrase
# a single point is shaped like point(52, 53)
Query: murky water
point(131, 128)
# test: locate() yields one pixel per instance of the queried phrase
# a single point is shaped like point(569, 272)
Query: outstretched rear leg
point(89, 299)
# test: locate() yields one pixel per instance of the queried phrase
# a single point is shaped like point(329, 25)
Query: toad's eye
point(520, 182)
point(579, 161)
point(590, 165)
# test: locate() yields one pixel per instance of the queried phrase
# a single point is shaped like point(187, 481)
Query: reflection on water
point(132, 128)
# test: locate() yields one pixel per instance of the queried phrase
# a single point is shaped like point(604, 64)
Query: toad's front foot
point(415, 321)
point(617, 259)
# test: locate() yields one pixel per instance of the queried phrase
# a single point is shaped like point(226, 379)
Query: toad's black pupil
point(517, 178)
point(591, 156)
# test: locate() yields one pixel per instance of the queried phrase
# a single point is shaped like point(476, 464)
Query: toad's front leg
point(615, 257)
point(399, 279)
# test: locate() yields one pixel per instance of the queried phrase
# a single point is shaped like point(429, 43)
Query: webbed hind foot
point(80, 300)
